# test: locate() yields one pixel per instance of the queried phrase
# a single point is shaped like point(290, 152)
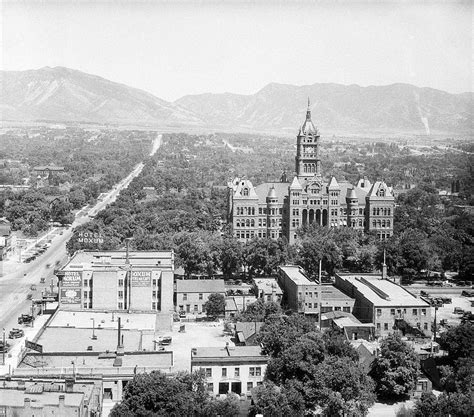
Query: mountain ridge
point(67, 95)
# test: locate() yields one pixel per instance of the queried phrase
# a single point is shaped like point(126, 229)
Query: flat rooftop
point(228, 354)
point(94, 363)
point(83, 319)
point(116, 259)
point(268, 285)
point(382, 292)
point(71, 339)
point(296, 274)
point(331, 293)
point(200, 285)
point(16, 398)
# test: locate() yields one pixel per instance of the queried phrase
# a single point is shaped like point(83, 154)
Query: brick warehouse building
point(278, 209)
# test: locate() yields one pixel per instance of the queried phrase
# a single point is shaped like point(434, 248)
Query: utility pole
point(320, 298)
point(4, 347)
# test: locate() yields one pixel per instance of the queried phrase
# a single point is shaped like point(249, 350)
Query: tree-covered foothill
point(158, 394)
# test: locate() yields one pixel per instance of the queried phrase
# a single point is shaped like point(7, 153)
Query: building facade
point(274, 210)
point(236, 369)
point(117, 280)
point(192, 294)
point(299, 293)
point(387, 305)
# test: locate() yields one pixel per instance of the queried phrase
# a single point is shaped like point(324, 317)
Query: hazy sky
point(173, 49)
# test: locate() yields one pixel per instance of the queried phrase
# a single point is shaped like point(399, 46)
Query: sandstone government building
point(278, 209)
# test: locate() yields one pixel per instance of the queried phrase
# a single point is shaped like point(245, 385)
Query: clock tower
point(307, 161)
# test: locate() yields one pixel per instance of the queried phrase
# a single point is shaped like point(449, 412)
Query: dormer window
point(381, 193)
point(245, 191)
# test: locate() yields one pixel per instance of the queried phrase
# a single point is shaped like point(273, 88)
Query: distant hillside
point(394, 108)
point(65, 95)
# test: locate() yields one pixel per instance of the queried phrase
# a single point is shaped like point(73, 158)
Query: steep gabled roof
point(333, 184)
point(295, 184)
point(377, 187)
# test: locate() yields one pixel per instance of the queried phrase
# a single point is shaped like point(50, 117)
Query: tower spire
point(308, 111)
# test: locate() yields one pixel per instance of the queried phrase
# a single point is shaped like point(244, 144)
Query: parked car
point(458, 310)
point(25, 318)
point(165, 340)
point(42, 280)
point(4, 348)
point(424, 294)
point(16, 334)
point(33, 287)
point(182, 314)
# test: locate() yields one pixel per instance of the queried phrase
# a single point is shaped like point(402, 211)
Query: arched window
point(373, 211)
point(247, 223)
point(252, 223)
point(383, 223)
point(253, 210)
point(388, 214)
point(374, 224)
point(381, 192)
point(245, 192)
point(378, 212)
point(238, 223)
point(388, 223)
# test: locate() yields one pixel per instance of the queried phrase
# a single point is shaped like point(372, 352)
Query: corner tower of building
point(307, 160)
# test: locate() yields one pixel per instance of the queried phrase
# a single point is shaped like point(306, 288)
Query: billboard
point(71, 287)
point(141, 278)
point(34, 346)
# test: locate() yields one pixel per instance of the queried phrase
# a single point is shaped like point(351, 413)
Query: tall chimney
point(384, 267)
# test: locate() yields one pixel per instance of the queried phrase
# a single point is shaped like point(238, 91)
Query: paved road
point(15, 287)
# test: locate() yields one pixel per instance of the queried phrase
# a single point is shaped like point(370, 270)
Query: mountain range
point(65, 95)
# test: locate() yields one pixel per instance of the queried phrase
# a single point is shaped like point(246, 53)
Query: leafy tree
point(280, 332)
point(297, 361)
point(260, 310)
point(157, 394)
point(230, 254)
point(457, 341)
point(223, 407)
point(395, 371)
point(337, 345)
point(215, 305)
point(272, 401)
point(341, 387)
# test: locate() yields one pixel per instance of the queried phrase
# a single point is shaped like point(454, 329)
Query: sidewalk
point(12, 263)
point(13, 355)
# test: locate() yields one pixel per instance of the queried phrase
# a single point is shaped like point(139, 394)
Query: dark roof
point(248, 329)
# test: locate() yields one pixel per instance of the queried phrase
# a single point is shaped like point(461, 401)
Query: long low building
point(385, 304)
point(117, 281)
point(192, 294)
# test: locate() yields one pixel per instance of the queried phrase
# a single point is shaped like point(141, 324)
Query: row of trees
point(90, 168)
point(158, 394)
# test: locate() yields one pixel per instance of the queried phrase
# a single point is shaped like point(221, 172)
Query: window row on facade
point(381, 224)
point(261, 223)
point(381, 211)
point(250, 211)
point(249, 234)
